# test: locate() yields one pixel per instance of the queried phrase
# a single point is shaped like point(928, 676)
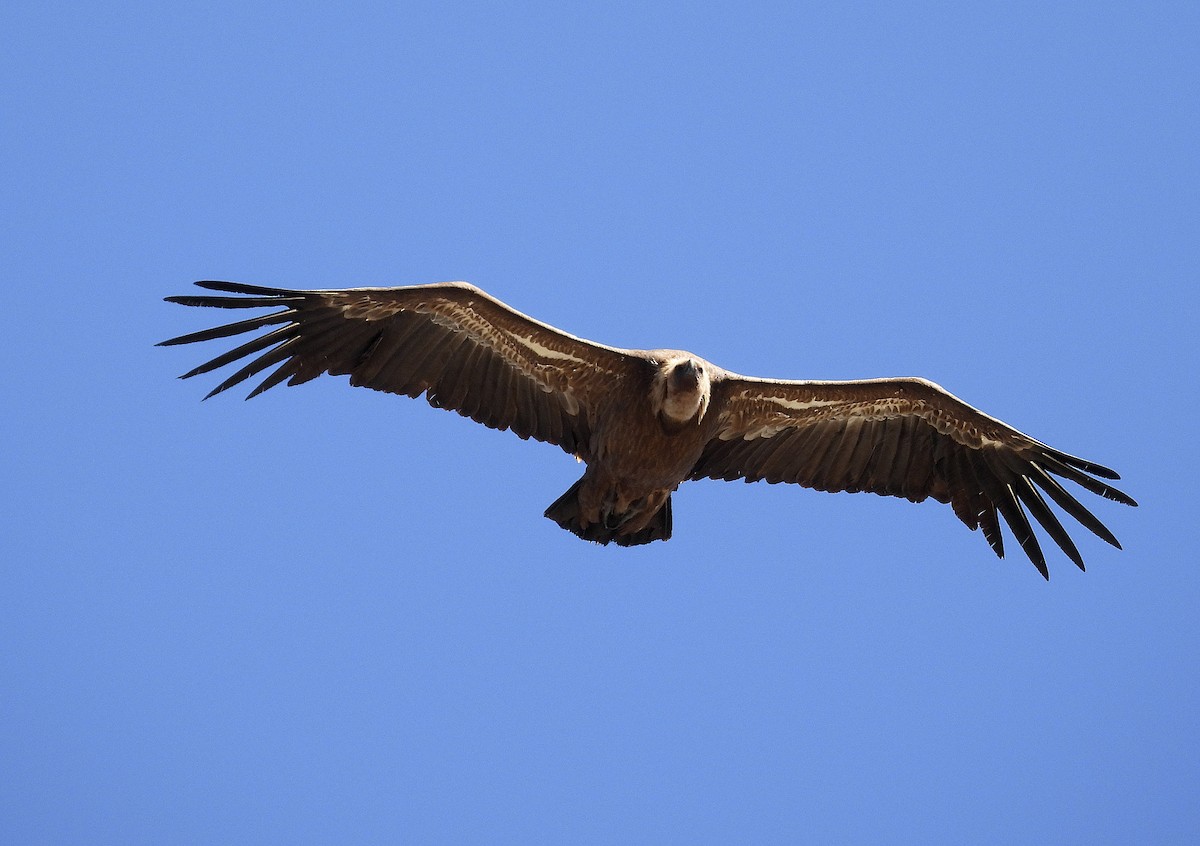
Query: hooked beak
point(686, 374)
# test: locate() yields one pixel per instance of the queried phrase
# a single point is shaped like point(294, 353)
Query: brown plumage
point(646, 420)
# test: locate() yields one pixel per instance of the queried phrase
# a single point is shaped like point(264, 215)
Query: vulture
point(644, 421)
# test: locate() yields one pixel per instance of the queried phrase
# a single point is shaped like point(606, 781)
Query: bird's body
point(647, 436)
point(644, 421)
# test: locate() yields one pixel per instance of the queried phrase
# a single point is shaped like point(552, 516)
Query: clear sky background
point(330, 615)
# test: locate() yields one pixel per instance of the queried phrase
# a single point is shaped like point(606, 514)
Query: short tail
point(565, 512)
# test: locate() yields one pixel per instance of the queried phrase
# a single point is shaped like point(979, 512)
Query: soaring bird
point(644, 421)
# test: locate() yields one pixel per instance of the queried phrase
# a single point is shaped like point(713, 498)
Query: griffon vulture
point(646, 420)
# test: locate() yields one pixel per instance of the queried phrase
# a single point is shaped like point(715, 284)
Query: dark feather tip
point(241, 288)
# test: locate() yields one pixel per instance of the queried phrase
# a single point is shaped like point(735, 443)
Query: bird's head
point(681, 389)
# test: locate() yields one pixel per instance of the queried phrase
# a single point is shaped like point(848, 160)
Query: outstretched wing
point(901, 437)
point(464, 349)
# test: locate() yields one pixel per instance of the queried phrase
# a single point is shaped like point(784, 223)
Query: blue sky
point(330, 615)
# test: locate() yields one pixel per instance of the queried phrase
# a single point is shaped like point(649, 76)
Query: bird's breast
point(640, 449)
